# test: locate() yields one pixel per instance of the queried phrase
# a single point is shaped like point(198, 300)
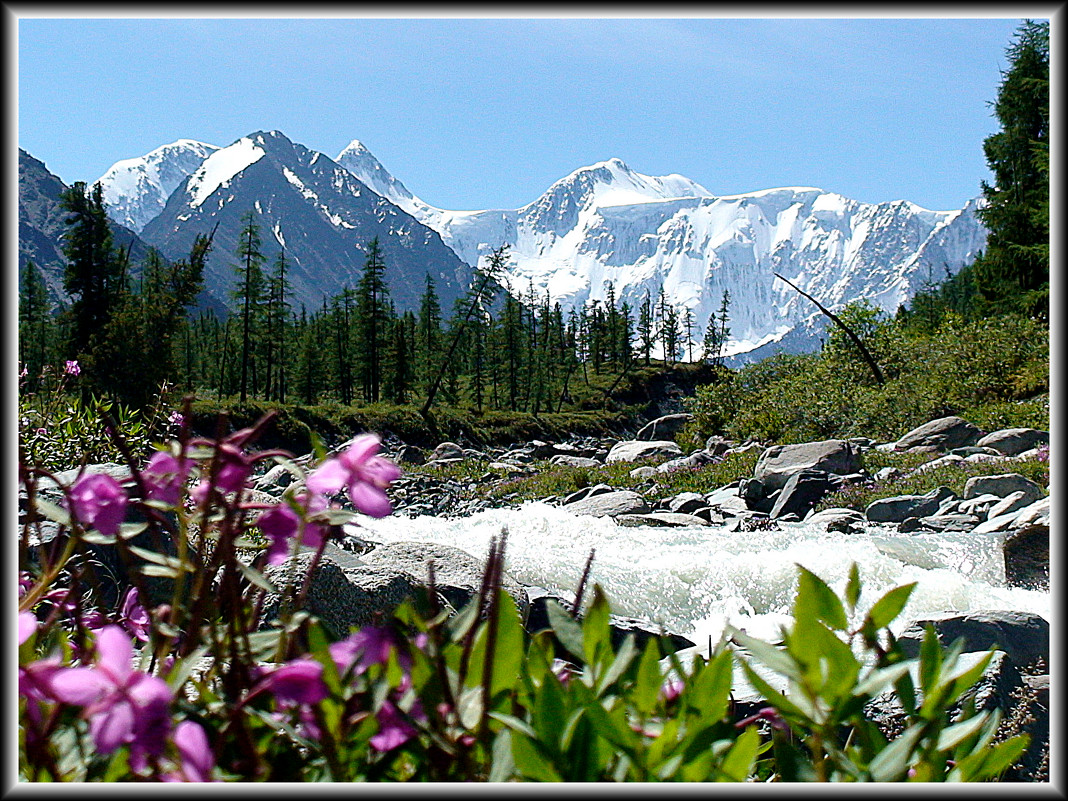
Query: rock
point(1026, 552)
point(663, 427)
point(778, 463)
point(610, 504)
point(1013, 502)
point(1014, 441)
point(446, 450)
point(1002, 485)
point(587, 492)
point(687, 503)
point(274, 480)
point(344, 592)
point(641, 473)
point(979, 505)
point(410, 454)
point(899, 507)
point(660, 519)
point(942, 434)
point(695, 459)
point(1023, 636)
point(573, 461)
point(757, 495)
point(457, 574)
point(633, 450)
point(845, 521)
point(944, 522)
point(803, 490)
point(509, 470)
point(717, 445)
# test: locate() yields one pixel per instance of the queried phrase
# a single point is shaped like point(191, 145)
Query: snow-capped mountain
point(136, 190)
point(609, 224)
point(320, 214)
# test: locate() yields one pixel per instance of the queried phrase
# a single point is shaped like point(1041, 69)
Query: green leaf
point(530, 761)
point(990, 764)
point(711, 687)
point(256, 578)
point(884, 611)
point(816, 599)
point(502, 765)
point(775, 658)
point(172, 562)
point(567, 631)
point(628, 651)
point(596, 634)
point(930, 660)
point(878, 680)
point(738, 763)
point(892, 763)
point(53, 512)
point(648, 681)
point(853, 587)
point(953, 735)
point(613, 727)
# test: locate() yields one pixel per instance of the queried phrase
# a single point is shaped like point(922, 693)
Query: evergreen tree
point(372, 314)
point(248, 290)
point(646, 328)
point(1014, 270)
point(36, 326)
point(277, 315)
point(429, 326)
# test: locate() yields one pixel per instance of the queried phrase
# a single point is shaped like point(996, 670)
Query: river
point(695, 579)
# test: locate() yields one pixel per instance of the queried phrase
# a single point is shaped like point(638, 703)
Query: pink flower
point(364, 473)
point(393, 728)
point(371, 645)
point(299, 681)
point(164, 476)
point(671, 690)
point(124, 706)
point(134, 616)
point(176, 418)
point(27, 626)
point(72, 368)
point(97, 500)
point(281, 523)
point(231, 469)
point(197, 759)
point(768, 714)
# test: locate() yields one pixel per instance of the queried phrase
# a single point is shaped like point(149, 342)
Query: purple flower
point(769, 714)
point(364, 473)
point(232, 467)
point(281, 523)
point(299, 681)
point(27, 626)
point(134, 616)
point(393, 728)
point(164, 476)
point(123, 705)
point(197, 759)
point(72, 368)
point(671, 690)
point(98, 500)
point(176, 418)
point(370, 645)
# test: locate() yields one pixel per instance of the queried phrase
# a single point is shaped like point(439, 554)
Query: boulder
point(633, 450)
point(898, 508)
point(1003, 485)
point(663, 427)
point(1026, 552)
point(661, 519)
point(610, 504)
point(446, 450)
point(845, 521)
point(757, 495)
point(410, 454)
point(1013, 502)
point(778, 463)
point(586, 492)
point(942, 434)
point(573, 461)
point(457, 574)
point(1014, 441)
point(686, 503)
point(1023, 636)
point(717, 445)
point(695, 459)
point(644, 472)
point(803, 490)
point(344, 592)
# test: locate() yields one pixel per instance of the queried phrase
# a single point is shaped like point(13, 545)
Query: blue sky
point(487, 113)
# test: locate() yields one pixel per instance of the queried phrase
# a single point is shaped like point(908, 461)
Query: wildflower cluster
point(186, 677)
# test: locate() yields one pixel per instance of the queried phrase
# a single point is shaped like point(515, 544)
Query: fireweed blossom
point(364, 473)
point(72, 367)
point(197, 759)
point(99, 501)
point(281, 524)
point(133, 616)
point(164, 476)
point(123, 705)
point(232, 467)
point(299, 681)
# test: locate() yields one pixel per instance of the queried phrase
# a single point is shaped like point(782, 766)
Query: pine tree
point(1014, 270)
point(248, 290)
point(372, 313)
point(429, 326)
point(646, 328)
point(36, 326)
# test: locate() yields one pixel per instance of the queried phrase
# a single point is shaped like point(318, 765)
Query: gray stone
point(757, 495)
point(660, 519)
point(344, 592)
point(573, 461)
point(979, 505)
point(778, 463)
point(646, 471)
point(1002, 485)
point(274, 480)
point(1023, 636)
point(633, 450)
point(457, 574)
point(1014, 441)
point(898, 508)
point(663, 427)
point(694, 460)
point(610, 504)
point(1026, 552)
point(803, 490)
point(949, 522)
point(846, 521)
point(587, 492)
point(1013, 502)
point(410, 454)
point(446, 450)
point(687, 503)
point(942, 434)
point(717, 445)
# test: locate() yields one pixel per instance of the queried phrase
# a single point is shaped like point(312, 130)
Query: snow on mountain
point(319, 213)
point(609, 224)
point(136, 190)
